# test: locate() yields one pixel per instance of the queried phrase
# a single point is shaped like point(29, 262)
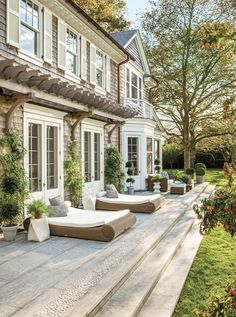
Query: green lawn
point(213, 268)
point(213, 175)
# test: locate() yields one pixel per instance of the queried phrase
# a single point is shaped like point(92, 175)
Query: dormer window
point(29, 26)
point(72, 52)
point(100, 68)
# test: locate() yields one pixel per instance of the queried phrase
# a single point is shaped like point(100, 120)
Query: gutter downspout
point(118, 98)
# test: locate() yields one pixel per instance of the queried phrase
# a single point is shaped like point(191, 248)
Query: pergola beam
point(80, 116)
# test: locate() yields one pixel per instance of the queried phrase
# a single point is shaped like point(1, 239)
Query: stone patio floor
point(29, 269)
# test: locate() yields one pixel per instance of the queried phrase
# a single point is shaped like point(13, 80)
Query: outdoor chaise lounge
point(91, 225)
point(146, 204)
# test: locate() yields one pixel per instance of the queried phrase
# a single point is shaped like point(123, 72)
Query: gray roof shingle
point(123, 37)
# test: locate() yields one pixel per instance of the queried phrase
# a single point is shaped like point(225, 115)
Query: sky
point(135, 6)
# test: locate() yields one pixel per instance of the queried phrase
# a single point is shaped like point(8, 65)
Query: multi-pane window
point(29, 26)
point(134, 85)
point(97, 173)
point(87, 156)
point(71, 52)
point(100, 68)
point(52, 158)
point(35, 172)
point(149, 156)
point(127, 83)
point(133, 153)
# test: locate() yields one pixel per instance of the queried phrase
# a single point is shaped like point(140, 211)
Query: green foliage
point(157, 165)
point(38, 207)
point(130, 172)
point(190, 171)
point(220, 208)
point(157, 178)
point(9, 212)
point(14, 186)
point(110, 14)
point(222, 306)
point(200, 171)
point(113, 170)
point(186, 179)
point(10, 184)
point(213, 267)
point(171, 153)
point(74, 178)
point(200, 165)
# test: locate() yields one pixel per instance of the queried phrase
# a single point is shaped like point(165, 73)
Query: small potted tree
point(130, 179)
point(9, 211)
point(200, 173)
point(157, 180)
point(37, 208)
point(157, 166)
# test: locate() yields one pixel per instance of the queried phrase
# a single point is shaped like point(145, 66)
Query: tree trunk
point(186, 157)
point(193, 153)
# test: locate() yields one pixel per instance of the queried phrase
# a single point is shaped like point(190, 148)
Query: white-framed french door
point(92, 148)
point(133, 154)
point(43, 140)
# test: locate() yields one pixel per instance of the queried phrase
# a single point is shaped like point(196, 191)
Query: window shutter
point(108, 74)
point(13, 22)
point(47, 48)
point(93, 64)
point(83, 58)
point(61, 45)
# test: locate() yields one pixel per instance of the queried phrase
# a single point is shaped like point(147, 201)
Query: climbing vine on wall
point(74, 178)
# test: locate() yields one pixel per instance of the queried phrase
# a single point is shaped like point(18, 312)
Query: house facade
point(142, 135)
point(62, 78)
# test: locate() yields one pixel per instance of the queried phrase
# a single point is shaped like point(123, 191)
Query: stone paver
point(49, 278)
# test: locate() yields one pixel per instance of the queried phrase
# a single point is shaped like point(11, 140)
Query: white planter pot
point(200, 179)
point(156, 187)
point(130, 190)
point(9, 233)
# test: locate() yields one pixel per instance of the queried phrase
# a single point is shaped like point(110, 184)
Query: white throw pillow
point(38, 230)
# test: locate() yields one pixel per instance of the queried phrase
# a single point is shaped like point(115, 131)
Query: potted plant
point(130, 179)
point(157, 166)
point(8, 215)
point(190, 172)
point(37, 208)
point(156, 180)
point(200, 173)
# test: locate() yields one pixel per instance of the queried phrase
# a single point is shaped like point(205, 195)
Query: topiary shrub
point(9, 212)
point(10, 184)
point(157, 165)
point(200, 165)
point(190, 171)
point(200, 171)
point(186, 179)
point(130, 173)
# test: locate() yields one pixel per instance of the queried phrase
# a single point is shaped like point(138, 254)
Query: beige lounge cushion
point(130, 199)
point(86, 218)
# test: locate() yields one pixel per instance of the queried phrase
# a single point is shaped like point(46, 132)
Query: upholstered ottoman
point(178, 188)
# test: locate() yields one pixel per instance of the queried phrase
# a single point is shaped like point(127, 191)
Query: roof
point(123, 37)
point(89, 19)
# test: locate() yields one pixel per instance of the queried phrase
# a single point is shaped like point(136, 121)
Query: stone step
point(128, 300)
point(164, 297)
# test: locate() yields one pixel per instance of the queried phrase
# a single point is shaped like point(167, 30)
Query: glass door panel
point(133, 153)
point(97, 158)
point(52, 157)
point(87, 157)
point(35, 157)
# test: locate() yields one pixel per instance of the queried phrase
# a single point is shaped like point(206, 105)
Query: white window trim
point(78, 55)
point(139, 75)
point(38, 56)
point(104, 71)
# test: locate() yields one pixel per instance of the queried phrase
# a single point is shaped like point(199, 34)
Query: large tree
point(110, 14)
point(191, 49)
